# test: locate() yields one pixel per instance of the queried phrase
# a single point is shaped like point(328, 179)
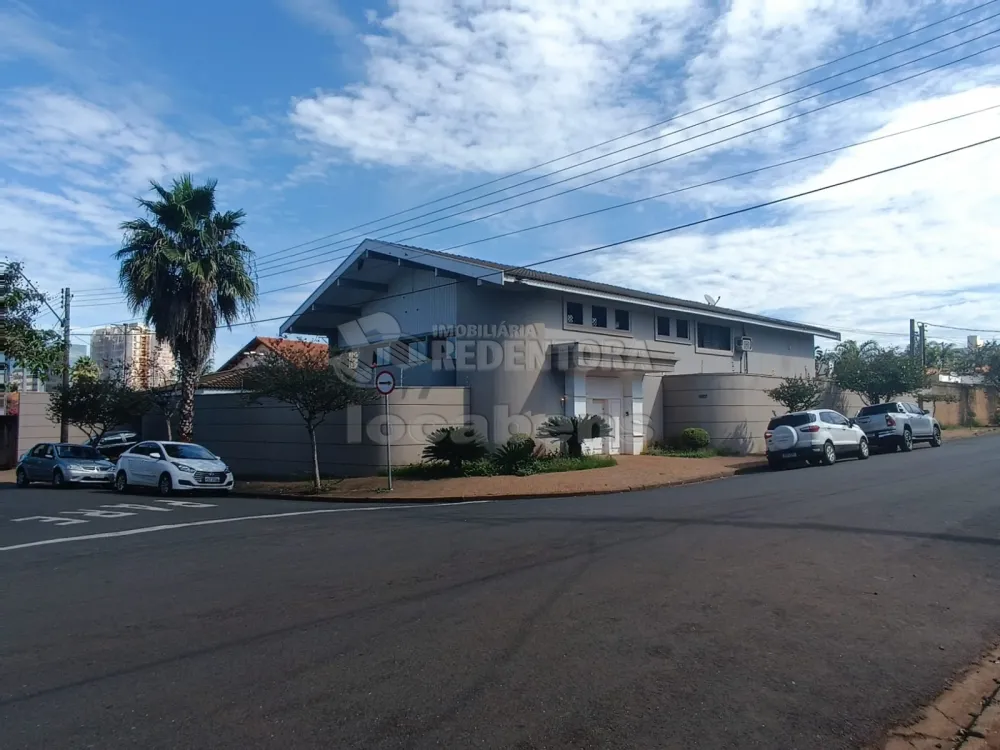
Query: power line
point(675, 228)
point(670, 158)
point(640, 130)
point(966, 330)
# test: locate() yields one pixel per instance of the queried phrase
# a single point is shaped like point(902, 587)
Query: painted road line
point(213, 521)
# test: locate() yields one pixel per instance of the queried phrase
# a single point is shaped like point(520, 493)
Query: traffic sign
point(385, 383)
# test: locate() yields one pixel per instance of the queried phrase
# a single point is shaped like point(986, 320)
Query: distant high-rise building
point(131, 351)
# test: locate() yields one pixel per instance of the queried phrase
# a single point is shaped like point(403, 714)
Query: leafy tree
point(308, 382)
point(166, 398)
point(456, 445)
point(84, 369)
point(875, 373)
point(186, 269)
point(38, 351)
point(985, 362)
point(941, 355)
point(798, 393)
point(572, 431)
point(96, 406)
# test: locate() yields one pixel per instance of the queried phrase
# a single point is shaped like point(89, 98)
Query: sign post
point(385, 384)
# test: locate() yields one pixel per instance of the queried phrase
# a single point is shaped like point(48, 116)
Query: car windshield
point(790, 420)
point(78, 451)
point(867, 411)
point(186, 450)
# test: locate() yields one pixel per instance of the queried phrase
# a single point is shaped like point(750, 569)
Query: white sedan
point(172, 467)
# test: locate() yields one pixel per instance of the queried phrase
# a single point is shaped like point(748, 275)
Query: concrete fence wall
point(732, 407)
point(270, 441)
point(962, 405)
point(34, 425)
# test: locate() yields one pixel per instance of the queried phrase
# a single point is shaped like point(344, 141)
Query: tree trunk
point(312, 439)
point(170, 428)
point(189, 384)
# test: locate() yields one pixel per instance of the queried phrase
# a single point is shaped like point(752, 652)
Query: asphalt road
point(810, 608)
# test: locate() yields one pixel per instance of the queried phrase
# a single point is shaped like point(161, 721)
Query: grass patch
point(673, 451)
point(487, 468)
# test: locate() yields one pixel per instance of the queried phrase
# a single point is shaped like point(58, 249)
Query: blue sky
point(317, 116)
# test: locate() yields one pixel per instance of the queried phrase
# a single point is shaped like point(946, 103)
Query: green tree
point(983, 361)
point(39, 351)
point(941, 355)
point(798, 393)
point(84, 369)
point(96, 406)
point(875, 373)
point(308, 382)
point(184, 267)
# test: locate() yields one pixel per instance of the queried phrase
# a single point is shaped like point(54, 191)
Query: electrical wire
point(661, 161)
point(660, 123)
point(668, 230)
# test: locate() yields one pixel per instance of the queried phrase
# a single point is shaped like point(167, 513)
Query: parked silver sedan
point(62, 464)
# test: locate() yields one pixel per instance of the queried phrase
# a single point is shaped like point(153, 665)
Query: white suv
point(819, 436)
point(172, 467)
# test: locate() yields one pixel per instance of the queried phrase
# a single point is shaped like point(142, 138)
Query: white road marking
point(134, 506)
point(186, 503)
point(213, 521)
point(57, 520)
point(97, 513)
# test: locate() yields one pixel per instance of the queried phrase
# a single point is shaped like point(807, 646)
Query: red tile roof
point(229, 377)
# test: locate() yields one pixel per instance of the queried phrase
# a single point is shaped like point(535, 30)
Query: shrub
point(572, 431)
point(578, 463)
point(693, 439)
point(455, 445)
point(482, 467)
point(514, 455)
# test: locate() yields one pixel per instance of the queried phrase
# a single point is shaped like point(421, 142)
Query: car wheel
point(775, 464)
point(21, 477)
point(165, 486)
point(936, 437)
point(907, 445)
point(58, 480)
point(829, 455)
point(863, 449)
point(121, 482)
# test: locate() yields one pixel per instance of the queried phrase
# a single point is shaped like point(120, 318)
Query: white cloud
point(322, 14)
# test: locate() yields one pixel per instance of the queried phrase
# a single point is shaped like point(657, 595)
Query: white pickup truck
point(898, 424)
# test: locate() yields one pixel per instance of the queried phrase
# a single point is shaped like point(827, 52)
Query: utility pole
point(913, 339)
point(923, 345)
point(64, 425)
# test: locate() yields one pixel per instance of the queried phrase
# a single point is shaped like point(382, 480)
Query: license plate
point(212, 480)
point(788, 455)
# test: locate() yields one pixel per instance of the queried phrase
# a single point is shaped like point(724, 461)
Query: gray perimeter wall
point(270, 441)
point(33, 425)
point(733, 408)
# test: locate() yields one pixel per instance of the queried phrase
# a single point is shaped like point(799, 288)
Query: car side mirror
point(852, 422)
point(157, 456)
point(927, 412)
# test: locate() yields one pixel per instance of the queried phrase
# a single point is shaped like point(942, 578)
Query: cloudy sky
point(318, 117)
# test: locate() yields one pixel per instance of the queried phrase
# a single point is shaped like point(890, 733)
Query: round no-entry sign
point(385, 383)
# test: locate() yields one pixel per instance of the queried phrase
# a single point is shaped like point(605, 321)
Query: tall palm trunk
point(189, 384)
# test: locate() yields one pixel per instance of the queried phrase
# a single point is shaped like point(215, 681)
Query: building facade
point(131, 351)
point(529, 345)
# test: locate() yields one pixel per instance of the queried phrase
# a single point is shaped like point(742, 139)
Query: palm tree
point(185, 267)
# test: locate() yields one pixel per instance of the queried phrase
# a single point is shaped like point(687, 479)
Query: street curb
point(385, 499)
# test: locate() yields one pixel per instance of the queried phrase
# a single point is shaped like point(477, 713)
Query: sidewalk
point(966, 716)
point(631, 473)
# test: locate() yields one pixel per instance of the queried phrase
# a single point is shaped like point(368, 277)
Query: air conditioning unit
point(744, 344)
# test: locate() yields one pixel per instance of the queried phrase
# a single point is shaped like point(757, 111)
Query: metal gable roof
point(514, 274)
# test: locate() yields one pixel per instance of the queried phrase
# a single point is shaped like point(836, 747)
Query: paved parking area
point(39, 514)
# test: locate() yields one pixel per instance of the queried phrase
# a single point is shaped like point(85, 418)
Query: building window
point(711, 336)
point(667, 327)
point(599, 316)
point(418, 352)
point(574, 313)
point(382, 357)
point(623, 320)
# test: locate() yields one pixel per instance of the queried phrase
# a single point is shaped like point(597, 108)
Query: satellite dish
point(712, 301)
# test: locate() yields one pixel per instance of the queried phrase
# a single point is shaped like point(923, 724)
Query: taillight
point(768, 435)
point(889, 421)
point(810, 428)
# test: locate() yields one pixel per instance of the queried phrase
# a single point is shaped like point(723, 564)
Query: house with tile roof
point(230, 376)
point(529, 344)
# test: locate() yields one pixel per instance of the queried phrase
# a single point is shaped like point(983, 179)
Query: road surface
point(809, 608)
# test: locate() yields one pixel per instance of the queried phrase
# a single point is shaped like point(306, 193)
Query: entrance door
point(611, 410)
